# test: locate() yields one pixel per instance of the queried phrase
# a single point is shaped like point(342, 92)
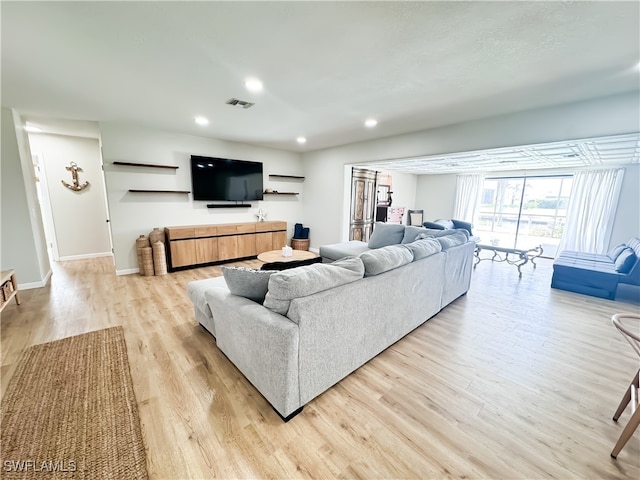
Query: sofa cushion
point(433, 233)
point(247, 282)
point(303, 281)
point(625, 261)
point(411, 232)
point(615, 251)
point(196, 289)
point(336, 251)
point(424, 248)
point(384, 259)
point(457, 238)
point(386, 234)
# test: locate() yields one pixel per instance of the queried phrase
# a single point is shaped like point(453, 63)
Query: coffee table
point(524, 256)
point(276, 256)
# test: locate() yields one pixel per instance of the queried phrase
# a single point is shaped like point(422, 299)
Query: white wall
point(436, 195)
point(22, 243)
point(134, 214)
point(627, 221)
point(324, 168)
point(79, 217)
point(404, 191)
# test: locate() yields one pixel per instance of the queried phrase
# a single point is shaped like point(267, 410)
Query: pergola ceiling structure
point(592, 152)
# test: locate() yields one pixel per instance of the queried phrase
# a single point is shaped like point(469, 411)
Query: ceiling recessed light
point(202, 120)
point(253, 84)
point(370, 123)
point(32, 129)
point(301, 140)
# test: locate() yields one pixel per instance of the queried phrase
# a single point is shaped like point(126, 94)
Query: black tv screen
point(225, 179)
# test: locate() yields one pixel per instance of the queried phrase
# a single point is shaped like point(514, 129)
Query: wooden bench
point(9, 288)
point(523, 256)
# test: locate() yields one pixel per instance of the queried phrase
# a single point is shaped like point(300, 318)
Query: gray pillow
point(625, 261)
point(303, 281)
point(247, 282)
point(386, 234)
point(411, 232)
point(424, 248)
point(385, 259)
point(453, 240)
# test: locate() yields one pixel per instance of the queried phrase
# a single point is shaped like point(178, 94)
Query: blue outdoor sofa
point(595, 274)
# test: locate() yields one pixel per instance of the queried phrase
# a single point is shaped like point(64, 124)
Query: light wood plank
point(513, 380)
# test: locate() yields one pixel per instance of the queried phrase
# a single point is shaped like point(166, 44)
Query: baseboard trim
point(40, 284)
point(127, 271)
point(85, 256)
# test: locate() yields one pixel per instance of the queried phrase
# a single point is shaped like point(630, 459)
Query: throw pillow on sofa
point(303, 281)
point(434, 225)
point(247, 282)
point(625, 261)
point(386, 234)
point(411, 233)
point(616, 251)
point(385, 259)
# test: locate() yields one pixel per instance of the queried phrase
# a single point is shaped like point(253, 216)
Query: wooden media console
point(199, 245)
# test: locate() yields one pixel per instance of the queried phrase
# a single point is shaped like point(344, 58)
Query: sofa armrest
point(262, 344)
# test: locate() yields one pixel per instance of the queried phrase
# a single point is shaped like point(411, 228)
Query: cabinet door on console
point(183, 253)
point(227, 248)
point(207, 250)
point(206, 243)
point(279, 240)
point(246, 240)
point(264, 242)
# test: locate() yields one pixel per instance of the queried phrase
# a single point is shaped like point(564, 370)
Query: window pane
point(509, 217)
point(544, 210)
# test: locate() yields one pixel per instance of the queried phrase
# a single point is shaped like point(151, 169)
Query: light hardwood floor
point(513, 380)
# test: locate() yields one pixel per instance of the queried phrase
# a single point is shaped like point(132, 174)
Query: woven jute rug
point(70, 412)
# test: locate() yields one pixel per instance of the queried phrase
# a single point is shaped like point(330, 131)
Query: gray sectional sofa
point(318, 323)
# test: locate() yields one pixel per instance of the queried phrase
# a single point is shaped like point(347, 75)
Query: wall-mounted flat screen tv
point(225, 179)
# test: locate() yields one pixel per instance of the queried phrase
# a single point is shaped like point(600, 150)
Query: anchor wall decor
point(76, 187)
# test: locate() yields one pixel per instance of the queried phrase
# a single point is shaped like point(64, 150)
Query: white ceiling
point(326, 66)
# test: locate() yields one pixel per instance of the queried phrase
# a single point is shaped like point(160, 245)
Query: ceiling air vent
point(239, 103)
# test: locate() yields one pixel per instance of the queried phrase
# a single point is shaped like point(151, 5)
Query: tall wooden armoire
point(363, 203)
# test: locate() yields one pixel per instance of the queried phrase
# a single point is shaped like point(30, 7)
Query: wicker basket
point(159, 258)
point(300, 243)
point(141, 242)
point(156, 235)
point(147, 261)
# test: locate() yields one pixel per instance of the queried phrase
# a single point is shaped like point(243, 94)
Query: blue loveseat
point(595, 274)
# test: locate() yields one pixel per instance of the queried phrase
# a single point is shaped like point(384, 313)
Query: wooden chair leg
point(627, 398)
point(634, 421)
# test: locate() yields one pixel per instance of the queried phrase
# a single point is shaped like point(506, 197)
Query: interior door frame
point(45, 206)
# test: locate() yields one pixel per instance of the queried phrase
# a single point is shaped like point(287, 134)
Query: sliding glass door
point(524, 212)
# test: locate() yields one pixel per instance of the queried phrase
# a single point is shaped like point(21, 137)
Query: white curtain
point(592, 209)
point(468, 192)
